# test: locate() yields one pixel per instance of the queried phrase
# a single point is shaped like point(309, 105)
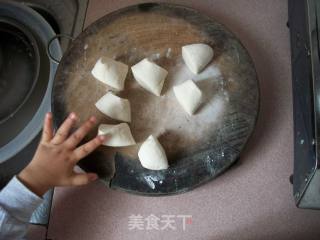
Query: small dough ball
point(189, 96)
point(197, 56)
point(152, 155)
point(149, 75)
point(110, 72)
point(118, 135)
point(115, 107)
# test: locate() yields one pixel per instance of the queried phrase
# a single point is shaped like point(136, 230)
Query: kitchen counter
point(253, 200)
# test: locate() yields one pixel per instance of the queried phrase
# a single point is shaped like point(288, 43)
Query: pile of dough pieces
point(151, 77)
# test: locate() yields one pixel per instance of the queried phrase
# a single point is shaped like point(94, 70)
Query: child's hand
point(57, 154)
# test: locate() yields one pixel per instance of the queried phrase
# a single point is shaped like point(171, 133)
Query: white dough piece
point(115, 107)
point(188, 95)
point(197, 56)
point(118, 135)
point(152, 155)
point(110, 72)
point(149, 75)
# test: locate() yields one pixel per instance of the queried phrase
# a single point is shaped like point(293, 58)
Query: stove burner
point(19, 61)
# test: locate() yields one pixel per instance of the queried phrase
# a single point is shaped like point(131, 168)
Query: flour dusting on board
point(163, 116)
point(210, 81)
point(152, 180)
point(169, 53)
point(166, 119)
point(158, 55)
point(154, 56)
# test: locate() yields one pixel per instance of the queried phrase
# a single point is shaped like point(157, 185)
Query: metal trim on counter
point(304, 34)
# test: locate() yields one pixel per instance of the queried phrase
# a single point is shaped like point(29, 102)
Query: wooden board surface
point(198, 147)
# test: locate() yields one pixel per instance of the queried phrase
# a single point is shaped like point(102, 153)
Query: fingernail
point(73, 116)
point(49, 115)
point(93, 177)
point(93, 119)
point(102, 138)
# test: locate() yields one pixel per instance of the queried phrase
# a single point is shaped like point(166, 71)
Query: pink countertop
point(254, 199)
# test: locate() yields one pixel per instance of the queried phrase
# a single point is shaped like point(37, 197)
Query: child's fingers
point(47, 131)
point(80, 133)
point(88, 147)
point(83, 178)
point(64, 129)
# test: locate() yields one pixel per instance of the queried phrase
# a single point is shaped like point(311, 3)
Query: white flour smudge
point(154, 56)
point(151, 180)
point(168, 54)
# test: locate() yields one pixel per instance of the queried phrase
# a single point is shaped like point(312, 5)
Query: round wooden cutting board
point(198, 147)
